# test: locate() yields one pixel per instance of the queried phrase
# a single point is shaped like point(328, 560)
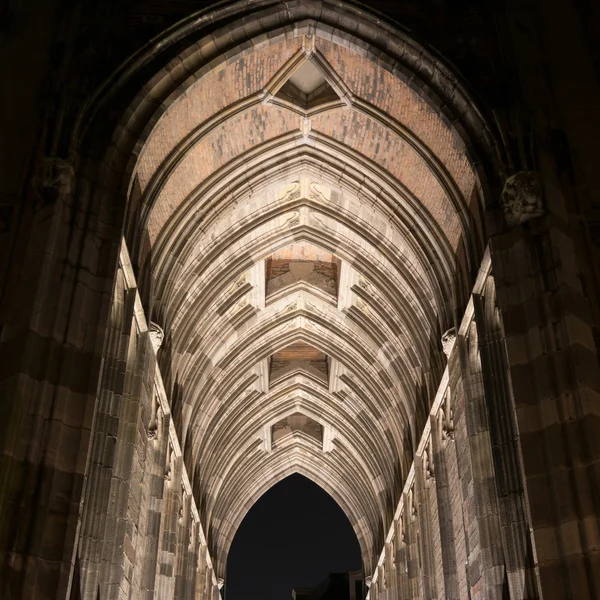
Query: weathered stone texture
point(131, 449)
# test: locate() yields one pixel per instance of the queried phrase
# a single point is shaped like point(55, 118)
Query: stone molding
point(522, 198)
point(157, 335)
point(448, 339)
point(56, 181)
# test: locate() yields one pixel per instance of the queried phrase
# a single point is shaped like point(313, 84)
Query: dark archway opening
point(293, 537)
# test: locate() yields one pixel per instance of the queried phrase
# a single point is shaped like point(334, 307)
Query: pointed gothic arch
point(220, 169)
point(294, 208)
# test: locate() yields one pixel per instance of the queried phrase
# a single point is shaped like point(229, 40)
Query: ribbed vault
point(309, 220)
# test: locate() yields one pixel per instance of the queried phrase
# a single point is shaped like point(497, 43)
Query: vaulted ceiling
point(312, 222)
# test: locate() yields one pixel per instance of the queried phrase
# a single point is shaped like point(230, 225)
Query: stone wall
point(460, 530)
point(140, 535)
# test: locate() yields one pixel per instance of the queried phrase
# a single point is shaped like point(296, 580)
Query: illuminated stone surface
point(267, 220)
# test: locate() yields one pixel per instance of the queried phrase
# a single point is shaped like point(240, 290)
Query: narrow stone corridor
point(291, 238)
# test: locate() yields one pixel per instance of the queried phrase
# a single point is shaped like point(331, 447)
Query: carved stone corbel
point(368, 580)
point(447, 414)
point(157, 335)
point(428, 461)
point(170, 466)
point(56, 181)
point(220, 582)
point(411, 505)
point(181, 505)
point(382, 578)
point(390, 553)
point(402, 526)
point(522, 198)
point(155, 422)
point(448, 339)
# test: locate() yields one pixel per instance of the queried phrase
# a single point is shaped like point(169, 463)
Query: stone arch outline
point(112, 180)
point(127, 140)
point(350, 504)
point(434, 164)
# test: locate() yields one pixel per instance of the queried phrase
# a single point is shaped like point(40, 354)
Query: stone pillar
point(192, 561)
point(184, 525)
point(104, 441)
point(167, 553)
point(51, 351)
point(401, 555)
point(427, 522)
point(464, 515)
point(441, 442)
point(208, 582)
point(391, 575)
point(214, 591)
point(201, 573)
point(158, 440)
point(373, 589)
point(548, 286)
point(411, 534)
point(486, 560)
point(515, 522)
point(555, 378)
point(122, 523)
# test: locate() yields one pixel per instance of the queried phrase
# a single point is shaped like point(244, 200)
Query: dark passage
point(293, 537)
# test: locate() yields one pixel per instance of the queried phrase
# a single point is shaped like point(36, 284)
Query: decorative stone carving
point(316, 192)
point(157, 335)
point(411, 504)
point(448, 340)
point(192, 536)
point(56, 181)
point(293, 218)
point(305, 127)
point(220, 582)
point(317, 220)
point(522, 198)
point(382, 580)
point(290, 192)
point(170, 466)
point(428, 461)
point(447, 417)
point(242, 304)
point(402, 526)
point(153, 426)
point(292, 306)
point(312, 307)
point(368, 580)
